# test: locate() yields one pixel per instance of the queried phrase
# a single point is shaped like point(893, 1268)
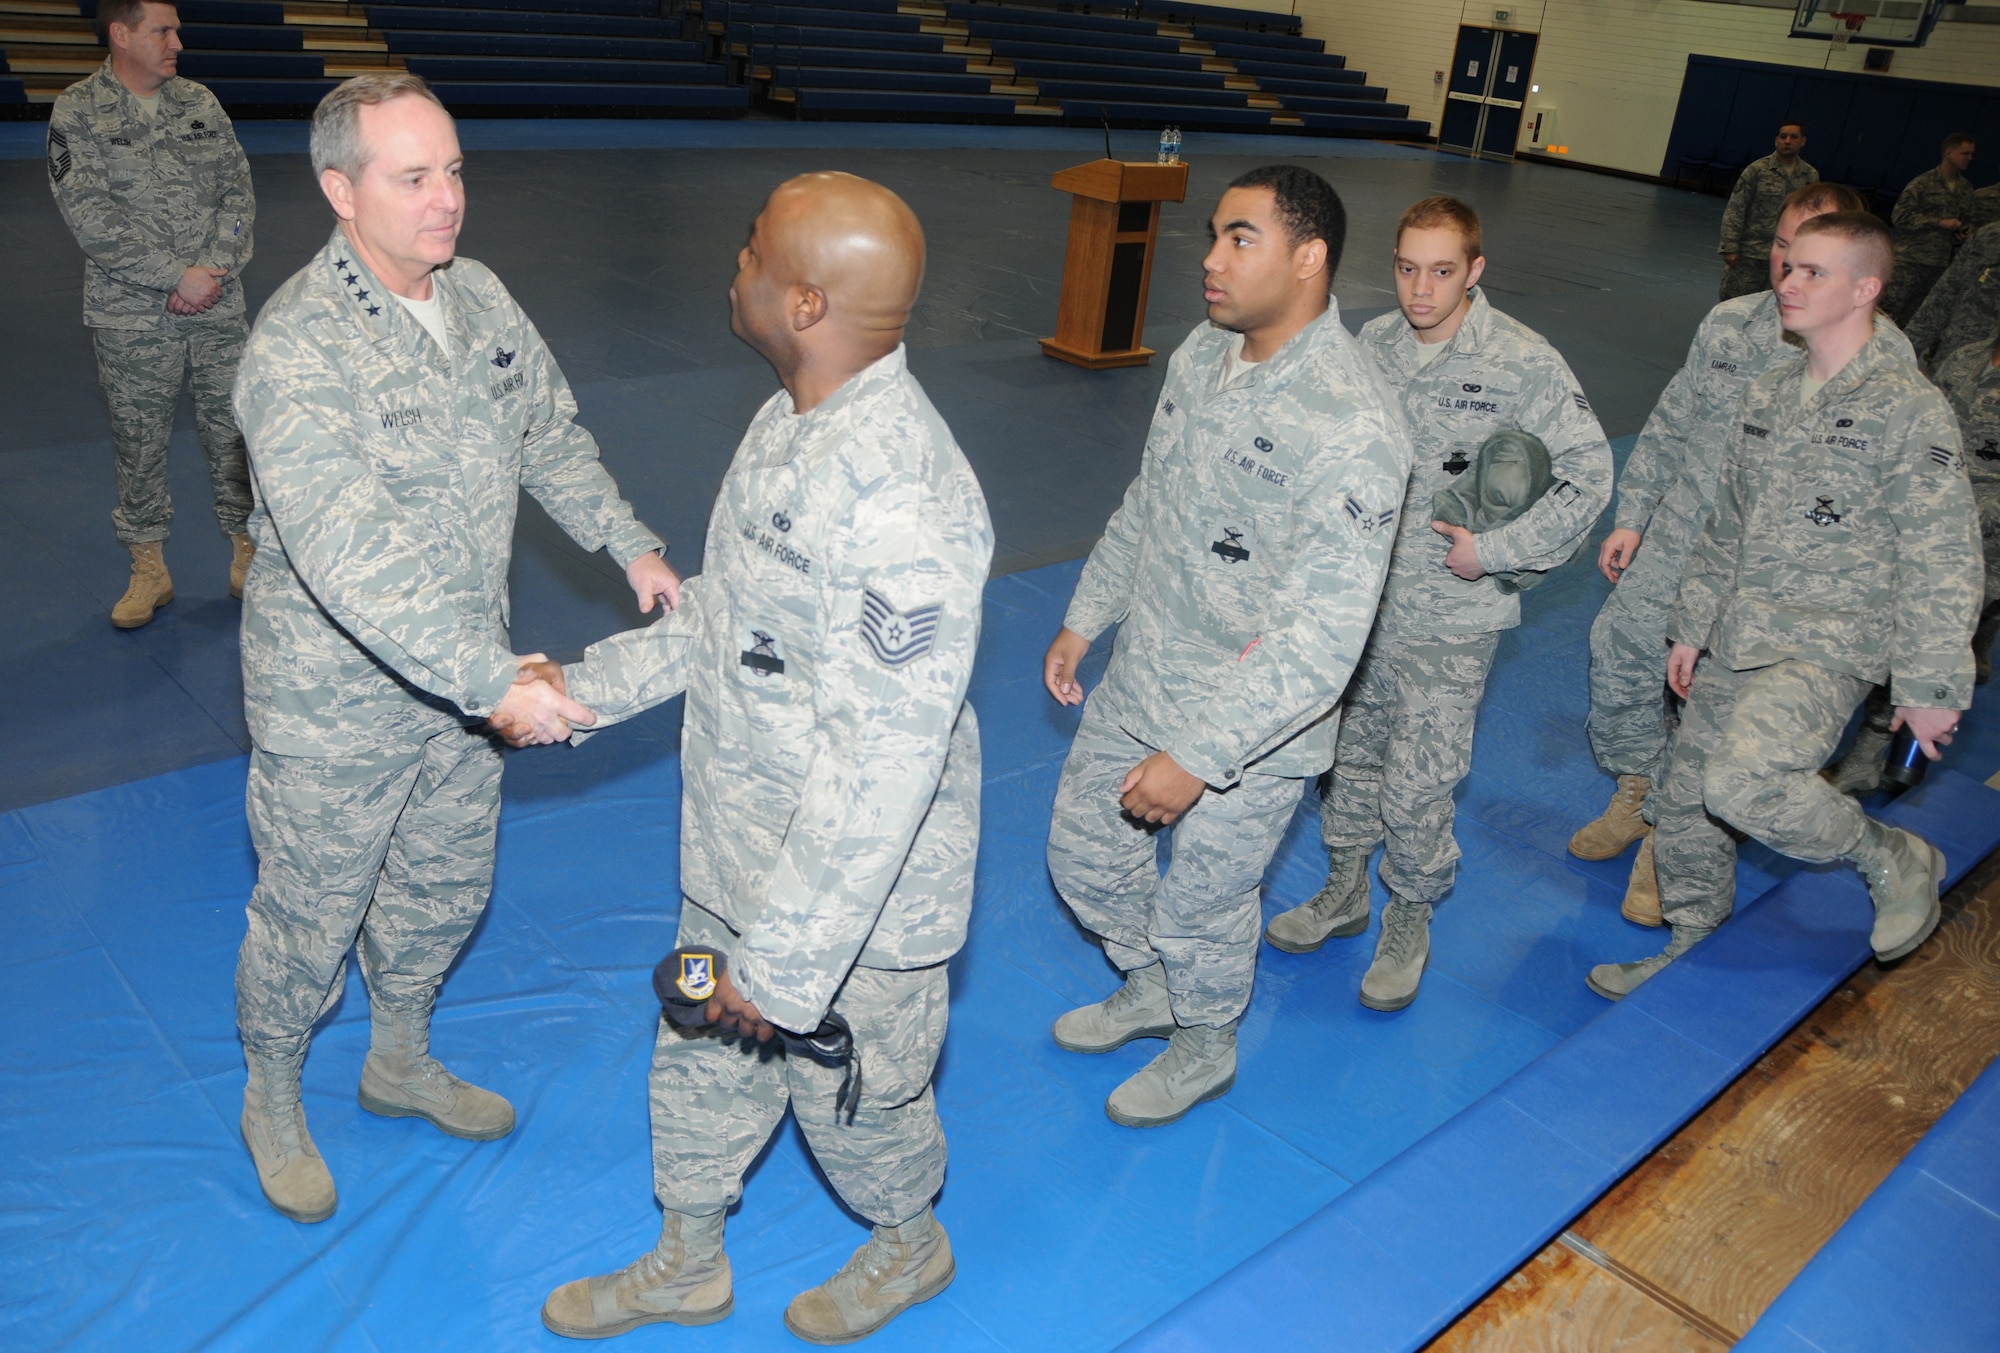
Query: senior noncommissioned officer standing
point(830, 817)
point(148, 175)
point(396, 401)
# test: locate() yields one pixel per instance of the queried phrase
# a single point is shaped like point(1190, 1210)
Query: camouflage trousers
point(1750, 273)
point(1203, 918)
point(1909, 283)
point(1405, 743)
point(1632, 714)
point(142, 371)
point(716, 1100)
point(1747, 756)
point(393, 850)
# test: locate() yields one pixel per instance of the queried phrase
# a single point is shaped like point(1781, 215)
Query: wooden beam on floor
point(1686, 1251)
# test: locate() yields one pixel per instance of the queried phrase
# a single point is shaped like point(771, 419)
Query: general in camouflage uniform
point(155, 196)
point(1242, 569)
point(1841, 553)
point(1751, 218)
point(1663, 499)
point(1406, 735)
point(1964, 305)
point(1971, 382)
point(1934, 212)
point(375, 644)
point(830, 807)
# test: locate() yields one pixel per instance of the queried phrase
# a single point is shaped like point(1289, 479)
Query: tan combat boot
point(899, 1267)
point(1139, 1009)
point(1903, 872)
point(1616, 981)
point(239, 563)
point(1642, 894)
point(400, 1079)
point(289, 1169)
point(683, 1280)
point(1621, 824)
point(149, 589)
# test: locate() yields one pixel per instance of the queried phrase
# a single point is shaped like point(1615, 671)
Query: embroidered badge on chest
point(762, 655)
point(897, 637)
point(1230, 547)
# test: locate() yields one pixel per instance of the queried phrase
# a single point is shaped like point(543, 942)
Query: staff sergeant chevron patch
point(896, 637)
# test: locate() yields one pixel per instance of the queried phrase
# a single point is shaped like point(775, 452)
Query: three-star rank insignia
point(696, 980)
point(762, 655)
point(1230, 547)
point(897, 637)
point(503, 358)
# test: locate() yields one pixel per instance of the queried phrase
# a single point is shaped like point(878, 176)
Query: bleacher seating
point(1192, 65)
point(1146, 64)
point(481, 56)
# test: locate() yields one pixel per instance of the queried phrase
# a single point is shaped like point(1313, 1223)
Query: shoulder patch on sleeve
point(1581, 402)
point(1944, 457)
point(59, 161)
point(897, 637)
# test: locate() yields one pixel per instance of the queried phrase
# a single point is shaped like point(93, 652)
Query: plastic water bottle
point(1166, 143)
point(1173, 145)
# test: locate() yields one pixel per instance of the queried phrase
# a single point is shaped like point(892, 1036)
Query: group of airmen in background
point(1309, 578)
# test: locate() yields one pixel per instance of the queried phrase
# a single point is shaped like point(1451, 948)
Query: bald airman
point(830, 815)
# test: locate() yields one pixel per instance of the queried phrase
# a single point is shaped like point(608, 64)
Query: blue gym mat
point(130, 1217)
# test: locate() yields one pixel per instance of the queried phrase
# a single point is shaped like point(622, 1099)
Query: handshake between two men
point(538, 710)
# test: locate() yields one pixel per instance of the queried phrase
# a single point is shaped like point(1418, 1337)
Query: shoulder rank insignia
point(59, 161)
point(897, 637)
point(1366, 522)
point(697, 976)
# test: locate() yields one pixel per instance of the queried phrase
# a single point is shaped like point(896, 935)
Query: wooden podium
point(1112, 223)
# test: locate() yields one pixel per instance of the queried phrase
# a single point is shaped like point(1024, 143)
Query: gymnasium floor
point(128, 1213)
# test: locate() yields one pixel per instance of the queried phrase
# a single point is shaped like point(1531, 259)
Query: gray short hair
point(336, 125)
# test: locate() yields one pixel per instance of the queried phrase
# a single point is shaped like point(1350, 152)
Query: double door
point(1488, 86)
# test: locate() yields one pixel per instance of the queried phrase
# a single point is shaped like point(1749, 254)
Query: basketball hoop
point(1845, 26)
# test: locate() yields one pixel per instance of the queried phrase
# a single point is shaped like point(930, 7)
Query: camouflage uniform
point(1842, 553)
point(1972, 384)
point(1406, 735)
point(1243, 569)
point(1923, 248)
point(148, 199)
point(1751, 220)
point(1664, 495)
point(375, 619)
point(830, 817)
point(1986, 206)
point(1964, 305)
